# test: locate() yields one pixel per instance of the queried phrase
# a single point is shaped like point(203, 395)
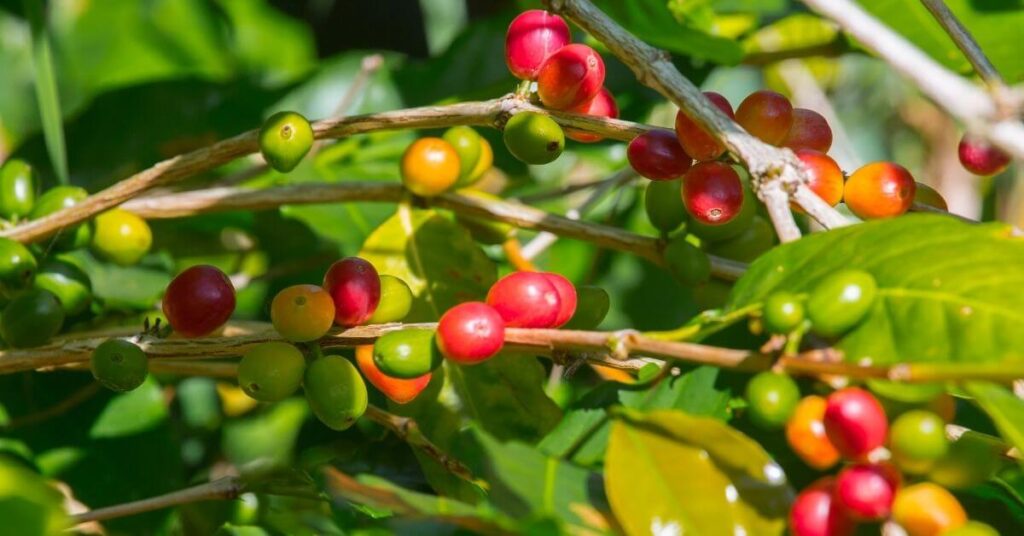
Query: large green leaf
point(47, 96)
point(1005, 409)
point(948, 290)
point(28, 504)
point(130, 413)
point(699, 477)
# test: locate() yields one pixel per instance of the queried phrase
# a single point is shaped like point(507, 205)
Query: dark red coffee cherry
point(815, 512)
point(354, 286)
point(602, 105)
point(531, 38)
point(566, 298)
point(981, 158)
point(855, 422)
point(199, 301)
point(525, 300)
point(657, 155)
point(696, 141)
point(570, 77)
point(767, 115)
point(712, 193)
point(866, 492)
point(810, 130)
point(470, 333)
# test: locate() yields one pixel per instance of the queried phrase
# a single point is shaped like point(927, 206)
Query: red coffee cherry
point(566, 298)
point(855, 422)
point(712, 192)
point(696, 141)
point(570, 77)
point(866, 492)
point(470, 333)
point(525, 300)
point(354, 286)
point(815, 512)
point(199, 301)
point(602, 105)
point(658, 156)
point(981, 158)
point(826, 178)
point(767, 115)
point(879, 190)
point(810, 130)
point(531, 38)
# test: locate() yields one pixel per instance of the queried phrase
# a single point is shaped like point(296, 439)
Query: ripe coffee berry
point(430, 166)
point(815, 512)
point(570, 77)
point(199, 301)
point(810, 130)
point(602, 105)
point(566, 298)
point(302, 313)
point(866, 492)
point(879, 190)
point(396, 389)
point(805, 433)
point(531, 38)
point(855, 422)
point(470, 332)
point(285, 138)
point(657, 155)
point(825, 177)
point(354, 286)
point(926, 509)
point(525, 300)
point(696, 141)
point(767, 115)
point(981, 158)
point(712, 193)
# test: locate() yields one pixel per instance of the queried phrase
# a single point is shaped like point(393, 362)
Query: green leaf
point(948, 290)
point(28, 504)
point(47, 96)
point(797, 31)
point(700, 477)
point(269, 435)
point(1005, 410)
point(443, 20)
point(121, 287)
point(132, 412)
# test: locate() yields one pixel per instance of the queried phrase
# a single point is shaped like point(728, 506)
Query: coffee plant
point(245, 290)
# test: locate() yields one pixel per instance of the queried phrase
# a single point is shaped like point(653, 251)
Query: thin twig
point(408, 431)
point(225, 488)
point(69, 403)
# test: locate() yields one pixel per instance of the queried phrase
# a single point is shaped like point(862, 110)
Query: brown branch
point(408, 431)
point(221, 489)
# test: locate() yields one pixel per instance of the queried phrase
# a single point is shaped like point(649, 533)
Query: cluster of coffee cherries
point(43, 289)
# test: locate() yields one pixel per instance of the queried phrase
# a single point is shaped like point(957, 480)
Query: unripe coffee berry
point(533, 138)
point(285, 138)
point(354, 286)
point(525, 300)
point(687, 263)
point(271, 371)
point(533, 36)
point(657, 155)
point(570, 77)
point(855, 422)
point(121, 237)
point(879, 190)
point(805, 434)
point(927, 509)
point(771, 399)
point(470, 333)
point(430, 166)
point(302, 313)
point(407, 353)
point(335, 391)
point(783, 312)
point(840, 301)
point(696, 141)
point(395, 301)
point(918, 440)
point(199, 301)
point(398, 390)
point(663, 202)
point(119, 365)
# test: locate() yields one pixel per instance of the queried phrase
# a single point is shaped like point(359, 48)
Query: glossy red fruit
point(810, 130)
point(767, 115)
point(855, 422)
point(815, 512)
point(470, 332)
point(199, 301)
point(866, 492)
point(354, 286)
point(566, 298)
point(570, 77)
point(981, 158)
point(602, 105)
point(712, 193)
point(657, 155)
point(826, 178)
point(525, 300)
point(696, 141)
point(879, 190)
point(531, 38)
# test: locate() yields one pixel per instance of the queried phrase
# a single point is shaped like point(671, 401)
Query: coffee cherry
point(397, 390)
point(855, 422)
point(31, 319)
point(592, 306)
point(825, 177)
point(59, 198)
point(866, 492)
point(468, 145)
point(815, 512)
point(840, 301)
point(696, 141)
point(18, 187)
point(981, 158)
point(285, 138)
point(407, 353)
point(531, 38)
point(879, 190)
point(810, 130)
point(657, 155)
point(17, 265)
point(686, 262)
point(918, 440)
point(470, 333)
point(805, 433)
point(663, 203)
point(971, 460)
point(926, 195)
point(926, 509)
point(483, 165)
point(602, 105)
point(783, 312)
point(271, 371)
point(335, 392)
point(119, 365)
point(483, 230)
point(302, 313)
point(121, 237)
point(395, 301)
point(533, 138)
point(766, 115)
point(430, 166)
point(199, 301)
point(772, 398)
point(354, 286)
point(973, 528)
point(68, 283)
point(525, 300)
point(570, 77)
point(566, 298)
point(720, 203)
point(755, 240)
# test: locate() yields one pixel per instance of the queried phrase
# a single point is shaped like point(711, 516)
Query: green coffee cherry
point(841, 301)
point(756, 239)
point(59, 198)
point(31, 319)
point(335, 391)
point(664, 205)
point(121, 237)
point(467, 144)
point(534, 138)
point(18, 188)
point(972, 528)
point(686, 262)
point(482, 230)
point(271, 371)
point(772, 398)
point(119, 365)
point(592, 305)
point(395, 301)
point(285, 138)
point(68, 282)
point(17, 265)
point(407, 354)
point(783, 312)
point(917, 440)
